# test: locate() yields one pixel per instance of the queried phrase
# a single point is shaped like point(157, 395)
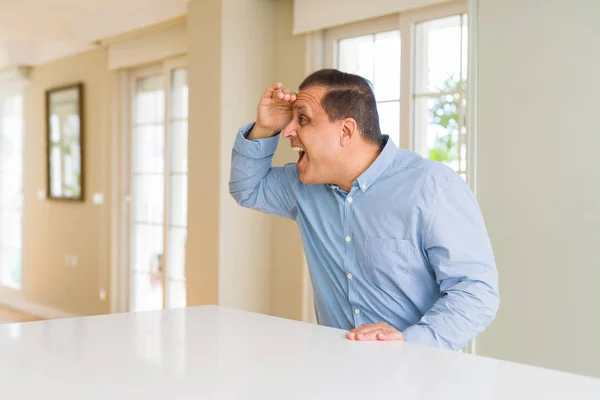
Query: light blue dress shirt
point(407, 245)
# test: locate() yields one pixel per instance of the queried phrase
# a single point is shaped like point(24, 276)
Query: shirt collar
point(381, 163)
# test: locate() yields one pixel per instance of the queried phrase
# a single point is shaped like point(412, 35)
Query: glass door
point(158, 187)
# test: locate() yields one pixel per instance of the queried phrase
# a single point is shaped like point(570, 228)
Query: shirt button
point(364, 186)
point(348, 239)
point(357, 311)
point(350, 200)
point(349, 275)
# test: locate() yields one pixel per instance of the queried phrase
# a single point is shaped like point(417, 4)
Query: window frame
point(9, 89)
point(164, 68)
point(320, 52)
point(404, 22)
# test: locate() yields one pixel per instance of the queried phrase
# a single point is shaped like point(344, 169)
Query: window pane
point(149, 100)
point(178, 200)
point(148, 191)
point(356, 56)
point(438, 55)
point(11, 221)
point(389, 119)
point(463, 156)
point(436, 129)
point(176, 294)
point(148, 248)
point(177, 233)
point(179, 94)
point(176, 253)
point(148, 198)
point(147, 292)
point(179, 146)
point(11, 190)
point(465, 49)
point(10, 271)
point(387, 66)
point(148, 149)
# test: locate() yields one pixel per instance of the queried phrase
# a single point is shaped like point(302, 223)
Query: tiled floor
point(8, 315)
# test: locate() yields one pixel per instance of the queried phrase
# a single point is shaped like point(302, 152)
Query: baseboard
point(18, 303)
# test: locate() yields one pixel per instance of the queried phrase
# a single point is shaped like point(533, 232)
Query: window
point(417, 63)
point(158, 187)
point(11, 194)
point(440, 91)
point(377, 58)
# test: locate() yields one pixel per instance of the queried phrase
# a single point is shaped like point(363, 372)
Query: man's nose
point(290, 130)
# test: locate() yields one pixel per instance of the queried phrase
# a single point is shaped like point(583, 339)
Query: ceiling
point(33, 32)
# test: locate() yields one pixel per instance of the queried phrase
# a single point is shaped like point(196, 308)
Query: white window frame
point(321, 53)
point(128, 83)
point(13, 83)
point(405, 23)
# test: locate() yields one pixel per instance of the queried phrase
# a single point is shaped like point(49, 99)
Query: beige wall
point(247, 69)
point(538, 179)
point(204, 159)
point(231, 251)
point(286, 245)
point(231, 62)
point(243, 259)
point(53, 229)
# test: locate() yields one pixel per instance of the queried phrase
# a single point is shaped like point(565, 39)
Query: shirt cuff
point(419, 334)
point(254, 148)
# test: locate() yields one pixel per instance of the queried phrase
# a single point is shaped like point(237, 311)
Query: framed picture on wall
point(64, 139)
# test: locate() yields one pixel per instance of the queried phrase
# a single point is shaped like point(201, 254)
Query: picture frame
point(64, 142)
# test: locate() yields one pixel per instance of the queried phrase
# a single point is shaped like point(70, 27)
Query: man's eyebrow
point(300, 108)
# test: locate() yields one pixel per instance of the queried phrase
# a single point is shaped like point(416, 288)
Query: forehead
point(310, 99)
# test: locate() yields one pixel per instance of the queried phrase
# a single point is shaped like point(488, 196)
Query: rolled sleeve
point(254, 148)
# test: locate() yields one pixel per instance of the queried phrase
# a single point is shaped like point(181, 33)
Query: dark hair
point(348, 96)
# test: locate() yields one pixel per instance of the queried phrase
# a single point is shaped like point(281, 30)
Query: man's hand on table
point(379, 331)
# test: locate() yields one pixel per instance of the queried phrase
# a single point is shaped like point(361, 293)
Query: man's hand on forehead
point(309, 99)
point(282, 94)
point(274, 111)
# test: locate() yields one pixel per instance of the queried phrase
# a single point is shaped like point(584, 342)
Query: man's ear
point(349, 131)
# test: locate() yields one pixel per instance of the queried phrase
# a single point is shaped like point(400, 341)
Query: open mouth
point(301, 153)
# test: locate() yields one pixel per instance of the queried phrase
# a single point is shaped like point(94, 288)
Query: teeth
point(298, 149)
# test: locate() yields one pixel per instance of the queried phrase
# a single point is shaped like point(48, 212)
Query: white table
point(219, 353)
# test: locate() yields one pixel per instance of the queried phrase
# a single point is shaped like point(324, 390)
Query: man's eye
point(302, 120)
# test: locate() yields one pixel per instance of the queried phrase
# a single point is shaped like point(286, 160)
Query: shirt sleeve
point(254, 183)
point(460, 253)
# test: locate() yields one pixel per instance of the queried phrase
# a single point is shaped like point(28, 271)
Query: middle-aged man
point(396, 244)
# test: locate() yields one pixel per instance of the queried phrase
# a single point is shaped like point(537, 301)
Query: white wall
point(539, 180)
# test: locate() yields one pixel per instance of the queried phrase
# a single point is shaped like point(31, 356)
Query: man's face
point(316, 139)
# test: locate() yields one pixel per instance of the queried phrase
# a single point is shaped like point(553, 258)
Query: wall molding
point(14, 300)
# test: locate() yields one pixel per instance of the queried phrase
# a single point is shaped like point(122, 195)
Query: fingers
point(369, 335)
point(380, 331)
point(391, 335)
point(283, 94)
point(277, 91)
point(366, 332)
point(269, 92)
